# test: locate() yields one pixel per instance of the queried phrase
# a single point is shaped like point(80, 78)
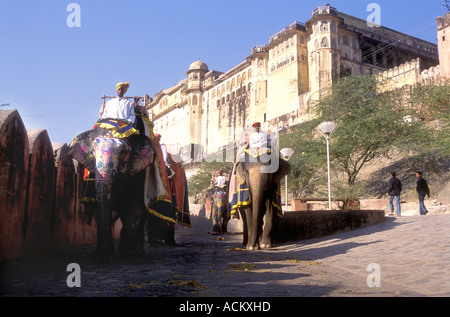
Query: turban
point(123, 85)
point(256, 124)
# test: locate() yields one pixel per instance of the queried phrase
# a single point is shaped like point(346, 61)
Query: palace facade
point(278, 82)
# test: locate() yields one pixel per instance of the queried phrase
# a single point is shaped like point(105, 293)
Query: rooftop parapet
point(327, 9)
point(293, 26)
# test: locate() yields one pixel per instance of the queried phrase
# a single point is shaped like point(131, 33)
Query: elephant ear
point(283, 169)
point(241, 172)
point(81, 150)
point(142, 153)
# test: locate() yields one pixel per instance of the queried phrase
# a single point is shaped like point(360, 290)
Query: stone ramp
point(412, 253)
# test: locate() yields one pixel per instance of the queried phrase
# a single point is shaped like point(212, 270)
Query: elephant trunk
point(107, 162)
point(105, 244)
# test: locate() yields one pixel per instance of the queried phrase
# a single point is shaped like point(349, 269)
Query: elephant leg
point(160, 231)
point(154, 226)
point(132, 232)
point(215, 219)
point(225, 219)
point(253, 227)
point(266, 240)
point(130, 206)
point(244, 226)
point(105, 243)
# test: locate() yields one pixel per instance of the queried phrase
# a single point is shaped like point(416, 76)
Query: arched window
point(325, 42)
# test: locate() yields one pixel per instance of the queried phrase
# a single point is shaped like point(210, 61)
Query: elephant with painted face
point(218, 198)
point(118, 155)
point(262, 212)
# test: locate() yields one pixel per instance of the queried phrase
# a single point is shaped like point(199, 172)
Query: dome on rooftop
point(198, 65)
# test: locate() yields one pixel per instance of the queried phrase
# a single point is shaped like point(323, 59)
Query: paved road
point(405, 256)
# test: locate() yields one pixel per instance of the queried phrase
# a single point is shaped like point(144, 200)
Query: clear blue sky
point(55, 75)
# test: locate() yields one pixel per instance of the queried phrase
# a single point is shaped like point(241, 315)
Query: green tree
point(432, 106)
point(370, 123)
point(309, 158)
point(200, 182)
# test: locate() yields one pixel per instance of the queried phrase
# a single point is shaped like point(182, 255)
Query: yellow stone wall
point(278, 83)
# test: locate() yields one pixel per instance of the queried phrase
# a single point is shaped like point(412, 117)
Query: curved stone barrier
point(40, 193)
point(39, 215)
point(14, 157)
point(65, 187)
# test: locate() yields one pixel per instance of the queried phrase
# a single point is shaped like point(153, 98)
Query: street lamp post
point(326, 129)
point(287, 153)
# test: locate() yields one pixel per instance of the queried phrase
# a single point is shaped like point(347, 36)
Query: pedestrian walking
point(394, 190)
point(422, 191)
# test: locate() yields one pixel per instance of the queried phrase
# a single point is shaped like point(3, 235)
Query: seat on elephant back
point(118, 128)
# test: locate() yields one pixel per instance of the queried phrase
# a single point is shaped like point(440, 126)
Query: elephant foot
point(266, 246)
point(103, 258)
point(162, 242)
point(132, 254)
point(130, 251)
point(252, 248)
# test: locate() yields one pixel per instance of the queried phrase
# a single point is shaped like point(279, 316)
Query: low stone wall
point(301, 225)
point(40, 193)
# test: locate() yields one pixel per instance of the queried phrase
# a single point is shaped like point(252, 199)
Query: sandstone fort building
point(279, 81)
